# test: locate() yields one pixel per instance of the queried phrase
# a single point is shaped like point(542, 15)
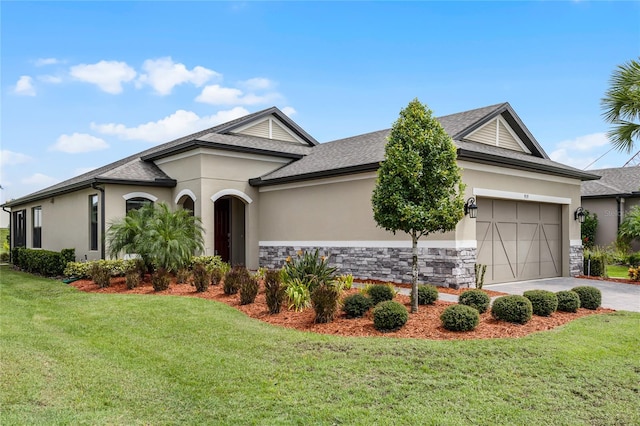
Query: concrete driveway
point(614, 295)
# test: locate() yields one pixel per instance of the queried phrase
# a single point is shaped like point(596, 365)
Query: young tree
point(419, 188)
point(621, 105)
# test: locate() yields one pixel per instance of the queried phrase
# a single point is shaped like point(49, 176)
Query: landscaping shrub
point(568, 301)
point(514, 308)
point(248, 289)
point(480, 271)
point(274, 290)
point(310, 268)
point(160, 279)
point(117, 267)
point(477, 299)
point(233, 279)
point(634, 273)
point(100, 273)
point(389, 315)
point(183, 275)
point(298, 295)
point(356, 305)
point(598, 258)
point(543, 302)
point(346, 281)
point(325, 299)
point(590, 297)
point(201, 276)
point(216, 276)
point(634, 259)
point(427, 295)
point(132, 279)
point(381, 293)
point(43, 262)
point(460, 318)
point(133, 273)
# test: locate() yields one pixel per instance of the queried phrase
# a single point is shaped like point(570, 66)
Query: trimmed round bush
point(477, 299)
point(380, 293)
point(389, 316)
point(356, 305)
point(427, 295)
point(460, 318)
point(568, 301)
point(513, 308)
point(590, 297)
point(544, 302)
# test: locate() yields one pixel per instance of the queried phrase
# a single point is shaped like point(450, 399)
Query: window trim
point(93, 226)
point(36, 227)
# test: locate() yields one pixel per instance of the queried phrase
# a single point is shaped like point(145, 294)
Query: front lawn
point(70, 357)
point(618, 271)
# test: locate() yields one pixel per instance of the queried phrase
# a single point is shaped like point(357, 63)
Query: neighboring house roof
point(365, 152)
point(615, 182)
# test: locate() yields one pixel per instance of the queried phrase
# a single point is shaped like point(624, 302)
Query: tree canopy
point(621, 106)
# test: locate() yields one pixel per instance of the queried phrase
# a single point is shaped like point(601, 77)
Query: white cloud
point(24, 86)
point(50, 79)
point(107, 75)
point(10, 158)
point(289, 111)
point(581, 151)
point(39, 179)
point(258, 83)
point(217, 95)
point(163, 75)
point(178, 124)
point(46, 61)
point(78, 143)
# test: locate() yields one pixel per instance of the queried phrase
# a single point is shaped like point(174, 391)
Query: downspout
point(94, 185)
point(10, 233)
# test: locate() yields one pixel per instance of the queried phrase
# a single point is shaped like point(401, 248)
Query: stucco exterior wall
point(607, 211)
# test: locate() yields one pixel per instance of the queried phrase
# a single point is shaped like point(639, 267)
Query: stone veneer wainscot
point(445, 267)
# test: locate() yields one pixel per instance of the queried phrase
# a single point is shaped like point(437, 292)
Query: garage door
point(519, 240)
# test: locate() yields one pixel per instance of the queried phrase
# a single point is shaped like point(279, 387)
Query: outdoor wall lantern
point(470, 208)
point(579, 215)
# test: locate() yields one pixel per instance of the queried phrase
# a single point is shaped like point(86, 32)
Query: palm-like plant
point(164, 239)
point(622, 105)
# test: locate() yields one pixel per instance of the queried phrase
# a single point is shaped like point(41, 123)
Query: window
point(136, 203)
point(36, 221)
point(20, 228)
point(93, 222)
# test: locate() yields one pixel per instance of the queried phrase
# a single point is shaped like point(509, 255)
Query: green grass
point(617, 271)
point(69, 357)
point(4, 232)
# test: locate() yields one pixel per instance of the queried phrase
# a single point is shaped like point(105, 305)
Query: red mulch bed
point(457, 292)
point(424, 325)
point(615, 280)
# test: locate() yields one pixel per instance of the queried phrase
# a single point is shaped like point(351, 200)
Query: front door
point(222, 231)
point(20, 228)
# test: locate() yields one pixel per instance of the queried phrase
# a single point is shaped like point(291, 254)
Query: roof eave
point(619, 195)
point(158, 182)
point(362, 168)
point(481, 157)
point(196, 143)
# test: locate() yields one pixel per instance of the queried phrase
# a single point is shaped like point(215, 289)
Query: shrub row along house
point(265, 189)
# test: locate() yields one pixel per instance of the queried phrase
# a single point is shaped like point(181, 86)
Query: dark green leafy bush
point(43, 262)
point(325, 299)
point(274, 290)
point(543, 302)
point(160, 279)
point(233, 279)
point(427, 295)
point(356, 305)
point(216, 276)
point(460, 318)
point(389, 315)
point(100, 274)
point(514, 308)
point(183, 275)
point(380, 293)
point(477, 299)
point(132, 279)
point(201, 276)
point(568, 301)
point(590, 297)
point(248, 289)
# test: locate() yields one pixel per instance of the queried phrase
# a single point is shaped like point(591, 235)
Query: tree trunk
point(414, 273)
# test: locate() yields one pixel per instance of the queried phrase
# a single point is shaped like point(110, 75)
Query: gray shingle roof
point(365, 152)
point(614, 181)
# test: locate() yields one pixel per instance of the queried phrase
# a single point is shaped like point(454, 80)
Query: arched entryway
point(230, 226)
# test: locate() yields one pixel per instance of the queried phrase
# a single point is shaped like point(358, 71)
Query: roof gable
point(498, 133)
point(618, 181)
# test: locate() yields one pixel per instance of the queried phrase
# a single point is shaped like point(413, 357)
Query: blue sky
point(87, 83)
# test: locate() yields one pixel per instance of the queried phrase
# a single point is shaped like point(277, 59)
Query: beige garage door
point(519, 240)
